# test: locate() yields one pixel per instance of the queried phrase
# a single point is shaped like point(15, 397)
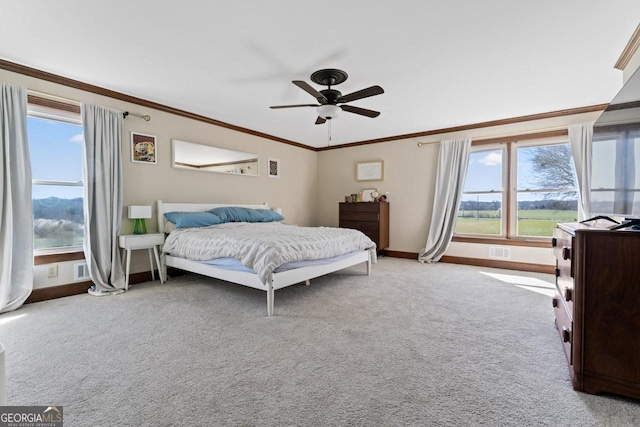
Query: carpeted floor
point(412, 345)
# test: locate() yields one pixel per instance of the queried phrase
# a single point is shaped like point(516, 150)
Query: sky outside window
point(56, 154)
point(484, 172)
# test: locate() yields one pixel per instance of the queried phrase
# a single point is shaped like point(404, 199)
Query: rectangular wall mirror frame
point(201, 157)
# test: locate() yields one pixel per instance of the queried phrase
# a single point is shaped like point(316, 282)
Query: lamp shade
point(328, 111)
point(138, 212)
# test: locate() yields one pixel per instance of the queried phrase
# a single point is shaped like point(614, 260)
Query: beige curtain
point(581, 139)
point(16, 210)
point(452, 169)
point(103, 198)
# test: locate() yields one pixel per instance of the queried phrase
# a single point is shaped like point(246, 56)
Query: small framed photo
point(370, 171)
point(143, 148)
point(369, 195)
point(273, 168)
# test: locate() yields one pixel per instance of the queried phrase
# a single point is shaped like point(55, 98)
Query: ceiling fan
point(329, 99)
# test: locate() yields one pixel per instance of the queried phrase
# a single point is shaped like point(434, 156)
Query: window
point(518, 189)
point(483, 198)
point(56, 149)
point(615, 185)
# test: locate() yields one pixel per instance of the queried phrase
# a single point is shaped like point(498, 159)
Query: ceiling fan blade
point(364, 93)
point(361, 111)
point(310, 90)
point(320, 120)
point(294, 106)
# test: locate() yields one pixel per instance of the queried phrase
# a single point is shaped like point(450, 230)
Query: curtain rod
point(146, 117)
point(539, 133)
point(45, 95)
point(420, 144)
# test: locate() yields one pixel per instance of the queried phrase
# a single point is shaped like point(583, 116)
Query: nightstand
point(150, 241)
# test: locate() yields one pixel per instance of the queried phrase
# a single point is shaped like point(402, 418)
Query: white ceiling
point(441, 63)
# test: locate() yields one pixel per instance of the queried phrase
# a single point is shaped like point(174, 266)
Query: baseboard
point(479, 262)
point(67, 290)
point(398, 254)
point(507, 265)
point(60, 291)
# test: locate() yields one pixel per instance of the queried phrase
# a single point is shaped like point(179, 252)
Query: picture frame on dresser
point(367, 195)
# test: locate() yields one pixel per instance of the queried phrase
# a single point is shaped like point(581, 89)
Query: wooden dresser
point(372, 218)
point(597, 307)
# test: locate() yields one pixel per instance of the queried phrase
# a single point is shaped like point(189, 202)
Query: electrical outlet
point(53, 270)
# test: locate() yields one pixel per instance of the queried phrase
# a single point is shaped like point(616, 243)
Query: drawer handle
point(566, 335)
point(554, 242)
point(568, 294)
point(566, 253)
point(554, 302)
point(557, 272)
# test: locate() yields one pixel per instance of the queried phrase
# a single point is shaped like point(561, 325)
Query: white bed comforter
point(263, 247)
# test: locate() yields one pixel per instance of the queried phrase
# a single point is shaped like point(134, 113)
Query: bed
point(269, 279)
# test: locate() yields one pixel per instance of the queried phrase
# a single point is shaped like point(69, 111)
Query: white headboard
point(196, 207)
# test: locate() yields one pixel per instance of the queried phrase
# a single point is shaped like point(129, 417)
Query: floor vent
point(499, 252)
point(80, 271)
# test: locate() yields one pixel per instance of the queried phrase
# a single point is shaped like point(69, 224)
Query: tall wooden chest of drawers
point(597, 307)
point(372, 218)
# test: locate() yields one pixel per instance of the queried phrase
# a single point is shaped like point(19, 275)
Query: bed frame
point(275, 281)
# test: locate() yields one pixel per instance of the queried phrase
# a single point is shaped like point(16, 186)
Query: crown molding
point(512, 120)
point(630, 49)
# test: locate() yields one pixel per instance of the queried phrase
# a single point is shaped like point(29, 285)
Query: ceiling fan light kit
point(328, 111)
point(329, 99)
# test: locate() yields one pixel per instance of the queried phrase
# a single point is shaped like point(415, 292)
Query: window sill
point(542, 242)
point(70, 254)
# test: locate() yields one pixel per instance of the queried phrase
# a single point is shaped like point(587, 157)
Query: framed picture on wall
point(143, 148)
point(273, 169)
point(370, 171)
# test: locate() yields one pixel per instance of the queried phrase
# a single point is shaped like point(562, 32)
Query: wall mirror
point(189, 155)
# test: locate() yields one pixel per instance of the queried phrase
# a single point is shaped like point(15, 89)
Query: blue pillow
point(237, 214)
point(269, 215)
point(192, 219)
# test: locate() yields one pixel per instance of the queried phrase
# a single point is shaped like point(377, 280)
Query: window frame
point(510, 187)
point(52, 108)
point(513, 209)
point(504, 149)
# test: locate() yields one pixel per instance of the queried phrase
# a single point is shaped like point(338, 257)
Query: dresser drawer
point(563, 251)
point(564, 324)
point(360, 225)
point(359, 216)
point(565, 284)
point(563, 248)
point(359, 207)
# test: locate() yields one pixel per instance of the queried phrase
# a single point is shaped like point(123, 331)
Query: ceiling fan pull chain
point(329, 130)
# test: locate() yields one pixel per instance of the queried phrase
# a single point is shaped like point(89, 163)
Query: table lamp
point(138, 214)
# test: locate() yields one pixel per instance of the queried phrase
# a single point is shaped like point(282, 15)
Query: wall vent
point(499, 252)
point(80, 271)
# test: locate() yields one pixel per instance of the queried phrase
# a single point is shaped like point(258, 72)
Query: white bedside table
point(150, 241)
